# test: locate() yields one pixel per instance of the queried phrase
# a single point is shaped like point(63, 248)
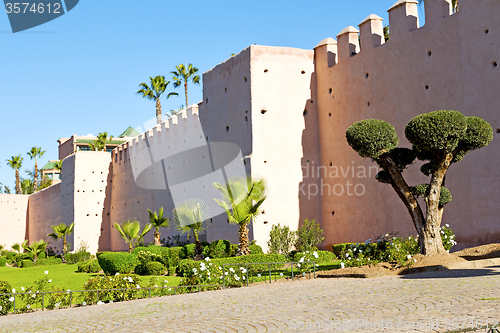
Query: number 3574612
point(26, 7)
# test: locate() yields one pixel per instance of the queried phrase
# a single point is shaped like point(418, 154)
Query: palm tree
point(157, 220)
point(242, 200)
point(129, 231)
point(61, 231)
point(100, 143)
point(33, 154)
point(454, 4)
point(58, 165)
point(17, 247)
point(15, 163)
point(36, 248)
point(27, 186)
point(190, 217)
point(158, 87)
point(182, 74)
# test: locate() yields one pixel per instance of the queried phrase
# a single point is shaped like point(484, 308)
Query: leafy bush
point(117, 262)
point(89, 266)
point(3, 261)
point(281, 239)
point(187, 251)
point(255, 249)
point(155, 268)
point(448, 237)
point(174, 260)
point(309, 235)
point(146, 257)
point(48, 262)
point(42, 255)
point(5, 303)
point(74, 258)
point(218, 249)
point(318, 257)
point(26, 263)
point(112, 282)
point(10, 255)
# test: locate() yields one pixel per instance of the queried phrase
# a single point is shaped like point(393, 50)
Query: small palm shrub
point(117, 262)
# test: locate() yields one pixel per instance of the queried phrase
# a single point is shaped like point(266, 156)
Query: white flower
point(243, 278)
point(117, 273)
point(347, 255)
point(258, 275)
point(447, 225)
point(203, 268)
point(84, 303)
point(349, 258)
point(231, 270)
point(281, 274)
point(408, 257)
point(14, 291)
point(110, 302)
point(46, 272)
point(11, 299)
point(301, 259)
point(236, 278)
point(100, 303)
point(243, 271)
point(34, 295)
point(448, 251)
point(169, 289)
point(22, 288)
point(28, 306)
point(137, 286)
point(50, 280)
point(125, 278)
point(57, 304)
point(207, 259)
point(342, 265)
point(1, 308)
point(315, 254)
point(386, 235)
point(445, 236)
point(226, 273)
point(156, 286)
point(360, 251)
point(415, 260)
point(209, 278)
point(130, 279)
point(303, 273)
point(298, 265)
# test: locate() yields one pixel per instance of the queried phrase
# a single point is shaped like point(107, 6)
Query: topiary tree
point(441, 138)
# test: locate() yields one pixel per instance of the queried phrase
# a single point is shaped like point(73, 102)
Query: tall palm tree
point(27, 186)
point(15, 163)
point(157, 220)
point(58, 165)
point(129, 230)
point(242, 200)
point(190, 217)
point(61, 231)
point(99, 144)
point(157, 89)
point(182, 75)
point(33, 154)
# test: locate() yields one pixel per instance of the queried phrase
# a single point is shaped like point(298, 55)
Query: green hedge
point(89, 266)
point(218, 249)
point(187, 251)
point(319, 258)
point(155, 268)
point(3, 261)
point(48, 262)
point(174, 260)
point(117, 262)
point(186, 266)
point(26, 263)
point(255, 249)
point(74, 258)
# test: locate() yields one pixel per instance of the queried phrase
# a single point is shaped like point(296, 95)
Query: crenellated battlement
point(170, 132)
point(403, 19)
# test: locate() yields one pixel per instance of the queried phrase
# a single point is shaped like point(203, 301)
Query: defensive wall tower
point(450, 63)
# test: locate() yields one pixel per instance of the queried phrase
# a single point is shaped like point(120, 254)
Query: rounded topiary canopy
point(372, 137)
point(436, 131)
point(478, 135)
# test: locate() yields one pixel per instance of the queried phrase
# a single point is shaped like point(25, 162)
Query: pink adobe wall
point(45, 211)
point(446, 64)
point(13, 212)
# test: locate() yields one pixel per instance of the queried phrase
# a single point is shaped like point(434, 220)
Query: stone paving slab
point(423, 302)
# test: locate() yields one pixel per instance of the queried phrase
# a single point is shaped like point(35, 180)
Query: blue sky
point(78, 74)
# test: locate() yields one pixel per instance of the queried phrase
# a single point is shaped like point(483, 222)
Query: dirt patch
point(421, 263)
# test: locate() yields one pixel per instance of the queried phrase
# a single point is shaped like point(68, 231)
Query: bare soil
point(420, 263)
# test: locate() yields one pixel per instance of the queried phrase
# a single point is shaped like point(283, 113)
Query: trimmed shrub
point(155, 268)
point(5, 304)
point(126, 281)
point(10, 255)
point(48, 262)
point(117, 262)
point(186, 266)
point(255, 249)
point(42, 255)
point(102, 252)
point(218, 249)
point(74, 258)
point(89, 266)
point(187, 251)
point(3, 261)
point(174, 259)
point(318, 257)
point(26, 263)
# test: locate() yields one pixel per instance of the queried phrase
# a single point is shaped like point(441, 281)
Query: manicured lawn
point(64, 276)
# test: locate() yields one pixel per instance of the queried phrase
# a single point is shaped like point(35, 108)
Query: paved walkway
point(424, 302)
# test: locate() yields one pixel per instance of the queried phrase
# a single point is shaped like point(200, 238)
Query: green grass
point(64, 276)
